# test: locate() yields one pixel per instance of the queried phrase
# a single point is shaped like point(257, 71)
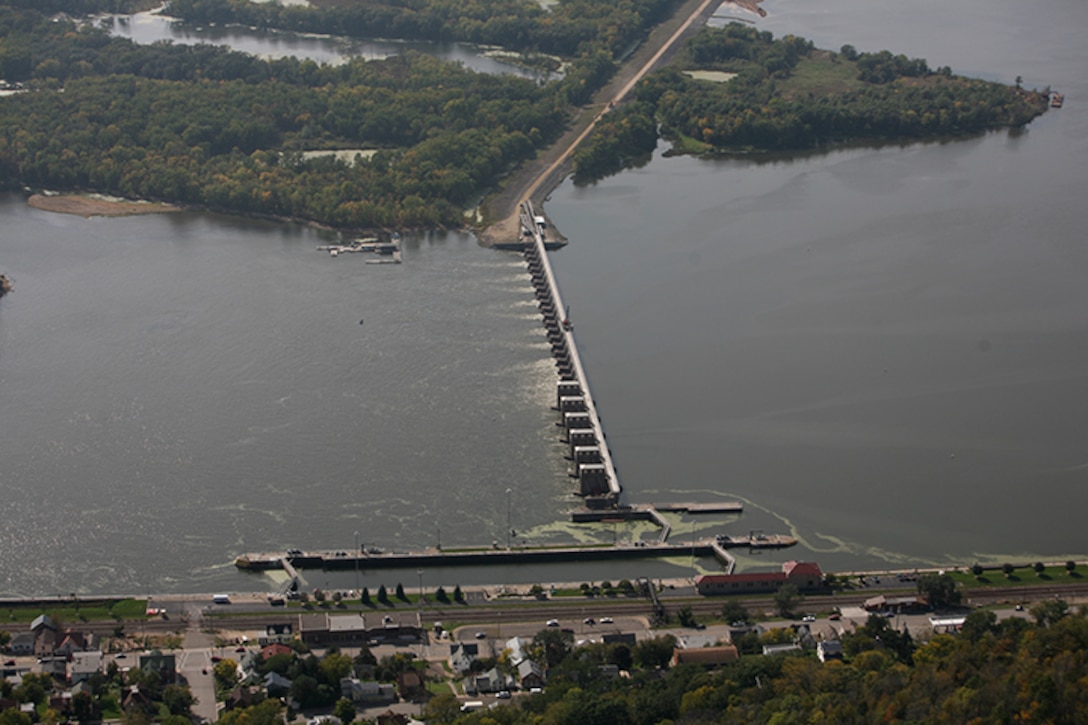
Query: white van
point(472, 706)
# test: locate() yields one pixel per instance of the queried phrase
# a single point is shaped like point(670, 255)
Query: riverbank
point(91, 205)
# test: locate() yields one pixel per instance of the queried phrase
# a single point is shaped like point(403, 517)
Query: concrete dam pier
point(581, 426)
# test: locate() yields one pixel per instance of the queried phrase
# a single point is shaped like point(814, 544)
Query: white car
point(606, 620)
point(553, 622)
point(808, 618)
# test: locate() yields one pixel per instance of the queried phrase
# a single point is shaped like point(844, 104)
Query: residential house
point(275, 684)
point(45, 635)
point(394, 718)
point(490, 681)
point(269, 651)
point(164, 664)
point(135, 699)
point(22, 644)
point(709, 656)
point(516, 647)
point(830, 649)
point(282, 633)
point(530, 675)
point(462, 655)
point(806, 576)
point(410, 684)
point(370, 691)
point(83, 665)
point(73, 642)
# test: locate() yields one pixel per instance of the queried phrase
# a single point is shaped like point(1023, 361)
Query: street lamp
point(508, 492)
point(356, 557)
point(419, 572)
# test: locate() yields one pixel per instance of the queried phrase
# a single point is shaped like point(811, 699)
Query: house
point(241, 697)
point(410, 684)
point(275, 648)
point(163, 664)
point(899, 605)
point(249, 669)
point(83, 665)
point(45, 635)
point(134, 699)
point(370, 691)
point(275, 684)
point(530, 675)
point(73, 642)
point(806, 576)
point(490, 681)
point(829, 650)
point(324, 629)
point(609, 671)
point(22, 644)
point(282, 633)
point(394, 718)
point(516, 647)
point(709, 656)
point(462, 655)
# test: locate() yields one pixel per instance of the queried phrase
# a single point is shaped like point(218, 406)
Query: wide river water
point(883, 350)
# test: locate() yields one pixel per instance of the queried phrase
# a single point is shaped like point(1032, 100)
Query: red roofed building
point(805, 575)
point(276, 648)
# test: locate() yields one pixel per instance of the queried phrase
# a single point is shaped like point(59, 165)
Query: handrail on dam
point(598, 481)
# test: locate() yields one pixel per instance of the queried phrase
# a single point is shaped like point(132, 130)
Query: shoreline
point(92, 205)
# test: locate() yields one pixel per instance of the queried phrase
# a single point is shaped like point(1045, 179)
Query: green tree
point(383, 596)
point(685, 616)
point(977, 569)
point(399, 594)
point(553, 645)
point(654, 653)
point(442, 709)
point(178, 699)
point(1039, 568)
point(1070, 566)
point(345, 710)
point(939, 590)
point(1008, 569)
point(226, 674)
point(458, 595)
point(734, 611)
point(787, 599)
point(1049, 612)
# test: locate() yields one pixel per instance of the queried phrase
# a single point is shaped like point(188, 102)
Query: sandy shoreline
point(89, 206)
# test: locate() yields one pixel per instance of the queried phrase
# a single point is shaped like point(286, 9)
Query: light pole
point(419, 572)
point(508, 492)
point(356, 556)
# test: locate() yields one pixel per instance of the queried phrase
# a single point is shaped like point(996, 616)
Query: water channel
point(881, 349)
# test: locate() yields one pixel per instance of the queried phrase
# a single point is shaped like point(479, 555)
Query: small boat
point(1057, 100)
point(5, 285)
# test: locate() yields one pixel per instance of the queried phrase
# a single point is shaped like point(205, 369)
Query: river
point(880, 349)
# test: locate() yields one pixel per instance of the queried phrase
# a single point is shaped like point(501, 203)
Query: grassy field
point(1021, 576)
point(78, 612)
point(820, 75)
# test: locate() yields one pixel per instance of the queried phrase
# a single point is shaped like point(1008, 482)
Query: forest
point(785, 94)
point(1014, 670)
point(208, 127)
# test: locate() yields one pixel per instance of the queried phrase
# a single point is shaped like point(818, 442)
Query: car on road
point(808, 618)
point(240, 649)
point(387, 619)
point(216, 658)
point(589, 620)
point(503, 695)
point(553, 622)
point(606, 620)
point(120, 656)
point(1019, 607)
point(481, 635)
point(834, 616)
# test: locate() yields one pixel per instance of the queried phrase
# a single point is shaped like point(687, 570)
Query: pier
point(598, 482)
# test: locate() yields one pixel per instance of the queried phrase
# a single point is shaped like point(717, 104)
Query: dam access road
point(535, 180)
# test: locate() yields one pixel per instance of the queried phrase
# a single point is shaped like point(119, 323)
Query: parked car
point(834, 616)
point(606, 620)
point(503, 695)
point(589, 620)
point(808, 618)
point(553, 623)
point(481, 635)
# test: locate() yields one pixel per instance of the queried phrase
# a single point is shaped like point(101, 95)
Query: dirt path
point(536, 179)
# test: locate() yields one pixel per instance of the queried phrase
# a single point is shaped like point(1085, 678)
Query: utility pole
point(356, 556)
point(508, 529)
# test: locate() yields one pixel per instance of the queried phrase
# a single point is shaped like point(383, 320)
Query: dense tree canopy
point(786, 94)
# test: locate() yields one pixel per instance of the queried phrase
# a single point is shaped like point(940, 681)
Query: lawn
point(1023, 575)
point(820, 75)
point(91, 611)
